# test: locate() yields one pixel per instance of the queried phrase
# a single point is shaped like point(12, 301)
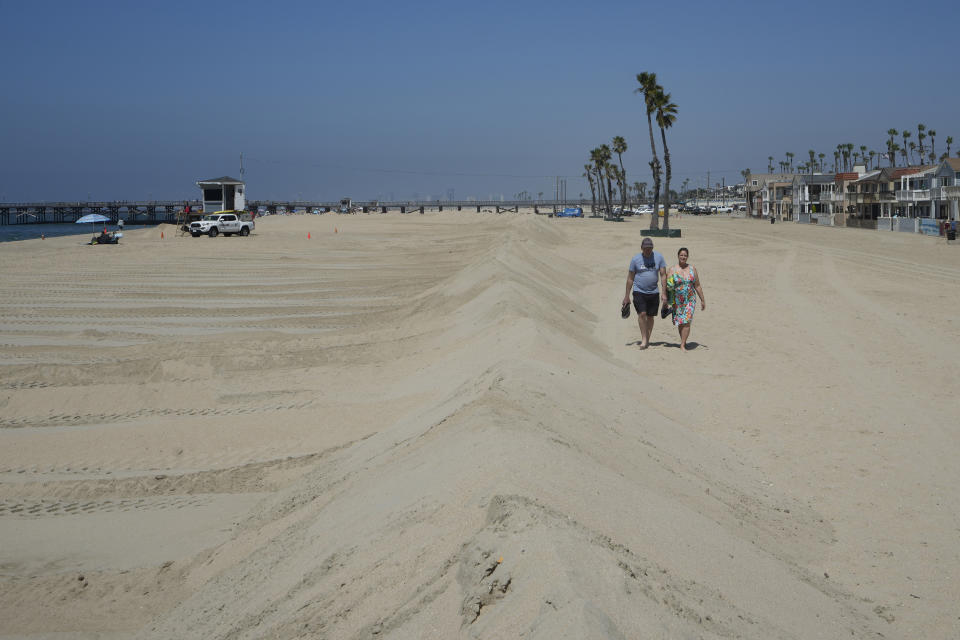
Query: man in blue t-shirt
point(647, 279)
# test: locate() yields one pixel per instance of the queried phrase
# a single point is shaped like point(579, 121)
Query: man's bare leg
point(646, 329)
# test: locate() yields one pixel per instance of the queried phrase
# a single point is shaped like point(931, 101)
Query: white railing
point(948, 193)
point(915, 195)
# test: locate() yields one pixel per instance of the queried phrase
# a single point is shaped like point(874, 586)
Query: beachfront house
point(811, 195)
point(874, 194)
point(768, 193)
point(931, 191)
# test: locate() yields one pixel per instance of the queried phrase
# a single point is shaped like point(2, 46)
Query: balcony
point(914, 195)
point(947, 193)
point(831, 196)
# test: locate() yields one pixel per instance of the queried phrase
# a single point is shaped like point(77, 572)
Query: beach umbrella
point(92, 218)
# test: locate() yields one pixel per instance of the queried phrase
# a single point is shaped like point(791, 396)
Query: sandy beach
point(438, 426)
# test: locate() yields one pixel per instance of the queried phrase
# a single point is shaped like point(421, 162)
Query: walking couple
point(653, 286)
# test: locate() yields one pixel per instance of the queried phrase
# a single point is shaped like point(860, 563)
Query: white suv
point(225, 222)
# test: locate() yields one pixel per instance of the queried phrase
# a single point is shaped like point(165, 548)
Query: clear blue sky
point(116, 100)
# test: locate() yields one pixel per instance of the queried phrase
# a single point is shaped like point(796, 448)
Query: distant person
point(684, 281)
point(120, 224)
point(647, 281)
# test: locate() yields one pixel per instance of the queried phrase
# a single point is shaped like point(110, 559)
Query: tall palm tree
point(863, 154)
point(949, 143)
point(891, 155)
point(666, 117)
point(913, 149)
point(905, 134)
point(769, 164)
point(812, 163)
point(789, 155)
point(873, 155)
point(598, 159)
point(836, 159)
point(821, 156)
point(933, 141)
point(619, 148)
point(588, 172)
point(921, 136)
point(606, 155)
point(611, 172)
point(648, 87)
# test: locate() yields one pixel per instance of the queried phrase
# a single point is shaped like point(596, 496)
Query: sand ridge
point(436, 426)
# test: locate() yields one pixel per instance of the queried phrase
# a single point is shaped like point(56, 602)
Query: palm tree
point(821, 156)
point(588, 172)
point(812, 163)
point(913, 149)
point(921, 136)
point(893, 133)
point(933, 141)
point(905, 134)
point(863, 153)
point(641, 189)
point(598, 159)
point(666, 117)
point(619, 148)
point(836, 159)
point(789, 155)
point(606, 155)
point(611, 174)
point(769, 164)
point(873, 155)
point(648, 87)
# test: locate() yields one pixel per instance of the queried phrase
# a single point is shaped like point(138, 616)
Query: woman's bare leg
point(684, 330)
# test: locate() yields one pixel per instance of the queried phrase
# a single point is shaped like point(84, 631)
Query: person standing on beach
point(684, 280)
point(647, 281)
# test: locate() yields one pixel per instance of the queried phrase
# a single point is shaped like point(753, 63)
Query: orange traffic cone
point(308, 235)
point(161, 235)
point(334, 229)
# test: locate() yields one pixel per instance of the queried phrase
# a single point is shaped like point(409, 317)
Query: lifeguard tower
point(222, 194)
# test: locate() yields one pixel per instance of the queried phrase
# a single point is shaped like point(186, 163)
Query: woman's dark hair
point(684, 249)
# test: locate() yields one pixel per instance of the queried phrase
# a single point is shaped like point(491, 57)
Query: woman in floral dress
point(683, 287)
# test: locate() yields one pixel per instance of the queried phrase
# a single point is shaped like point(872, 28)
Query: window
point(754, 182)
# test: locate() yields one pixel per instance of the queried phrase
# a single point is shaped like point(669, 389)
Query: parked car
point(723, 209)
point(225, 222)
point(570, 212)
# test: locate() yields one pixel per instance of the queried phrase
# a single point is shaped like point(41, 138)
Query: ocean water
point(14, 232)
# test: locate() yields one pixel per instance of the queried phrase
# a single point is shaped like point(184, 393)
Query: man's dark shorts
point(647, 303)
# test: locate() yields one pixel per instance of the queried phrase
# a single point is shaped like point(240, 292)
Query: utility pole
point(708, 187)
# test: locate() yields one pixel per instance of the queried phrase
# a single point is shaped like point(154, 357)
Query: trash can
point(951, 235)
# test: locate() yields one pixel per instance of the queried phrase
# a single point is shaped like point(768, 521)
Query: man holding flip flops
point(647, 281)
